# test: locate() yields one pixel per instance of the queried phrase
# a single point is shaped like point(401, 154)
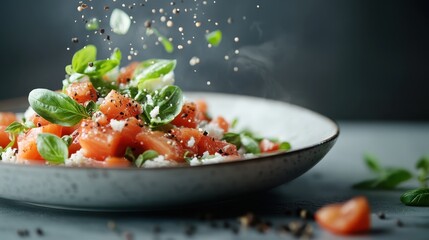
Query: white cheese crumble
point(191, 142)
point(207, 159)
point(149, 100)
point(213, 130)
point(100, 101)
point(154, 113)
point(158, 162)
point(117, 125)
point(29, 113)
point(9, 156)
point(78, 160)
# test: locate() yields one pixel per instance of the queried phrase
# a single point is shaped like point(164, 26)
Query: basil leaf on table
point(168, 103)
point(52, 148)
point(371, 162)
point(388, 179)
point(56, 107)
point(417, 197)
point(423, 170)
point(82, 58)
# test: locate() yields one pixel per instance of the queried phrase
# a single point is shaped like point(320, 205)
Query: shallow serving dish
point(311, 135)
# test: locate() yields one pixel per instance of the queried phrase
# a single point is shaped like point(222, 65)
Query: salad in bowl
point(107, 116)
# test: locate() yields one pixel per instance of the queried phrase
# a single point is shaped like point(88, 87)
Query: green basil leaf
point(417, 197)
point(116, 55)
point(69, 69)
point(234, 122)
point(16, 128)
point(388, 180)
point(120, 22)
point(83, 57)
point(423, 170)
point(68, 140)
point(233, 138)
point(91, 107)
point(214, 38)
point(129, 154)
point(92, 24)
point(249, 144)
point(285, 146)
point(167, 104)
point(56, 107)
point(154, 68)
point(52, 148)
point(103, 87)
point(147, 155)
point(100, 67)
point(372, 163)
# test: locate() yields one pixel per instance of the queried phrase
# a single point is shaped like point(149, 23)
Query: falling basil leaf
point(168, 46)
point(92, 24)
point(120, 22)
point(372, 163)
point(56, 107)
point(214, 38)
point(417, 197)
point(82, 58)
point(52, 148)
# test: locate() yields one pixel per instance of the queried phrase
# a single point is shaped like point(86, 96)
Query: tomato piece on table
point(118, 106)
point(155, 140)
point(7, 118)
point(82, 92)
point(351, 217)
point(187, 117)
point(27, 143)
point(213, 146)
point(267, 146)
point(127, 73)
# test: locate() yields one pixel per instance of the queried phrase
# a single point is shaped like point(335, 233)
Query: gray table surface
point(397, 144)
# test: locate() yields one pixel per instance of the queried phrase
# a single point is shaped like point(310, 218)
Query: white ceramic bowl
point(311, 135)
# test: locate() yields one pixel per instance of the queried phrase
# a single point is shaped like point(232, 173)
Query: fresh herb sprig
point(389, 178)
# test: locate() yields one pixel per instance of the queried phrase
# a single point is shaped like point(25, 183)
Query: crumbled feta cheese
point(9, 155)
point(191, 142)
point(117, 125)
point(154, 113)
point(78, 160)
point(158, 162)
point(207, 159)
point(213, 130)
point(100, 101)
point(149, 100)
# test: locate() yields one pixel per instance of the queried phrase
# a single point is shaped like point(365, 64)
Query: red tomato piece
point(118, 106)
point(116, 162)
point(7, 118)
point(82, 92)
point(202, 114)
point(38, 120)
point(27, 143)
point(188, 138)
point(155, 140)
point(127, 73)
point(187, 117)
point(267, 146)
point(222, 123)
point(351, 217)
point(4, 137)
point(213, 146)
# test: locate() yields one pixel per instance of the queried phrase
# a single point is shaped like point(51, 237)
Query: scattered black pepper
point(106, 8)
point(102, 30)
point(75, 40)
point(381, 215)
point(148, 24)
point(91, 64)
point(23, 232)
point(40, 232)
point(399, 223)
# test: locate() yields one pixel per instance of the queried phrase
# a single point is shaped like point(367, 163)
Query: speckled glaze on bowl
point(311, 135)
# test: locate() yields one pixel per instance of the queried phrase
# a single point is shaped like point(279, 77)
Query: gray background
point(363, 60)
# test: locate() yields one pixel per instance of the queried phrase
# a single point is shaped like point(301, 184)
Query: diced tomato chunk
point(202, 114)
point(118, 106)
point(75, 145)
point(351, 217)
point(213, 146)
point(27, 143)
point(222, 123)
point(155, 140)
point(187, 117)
point(188, 138)
point(127, 73)
point(38, 120)
point(7, 118)
point(128, 136)
point(4, 137)
point(98, 142)
point(116, 162)
point(267, 146)
point(82, 92)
